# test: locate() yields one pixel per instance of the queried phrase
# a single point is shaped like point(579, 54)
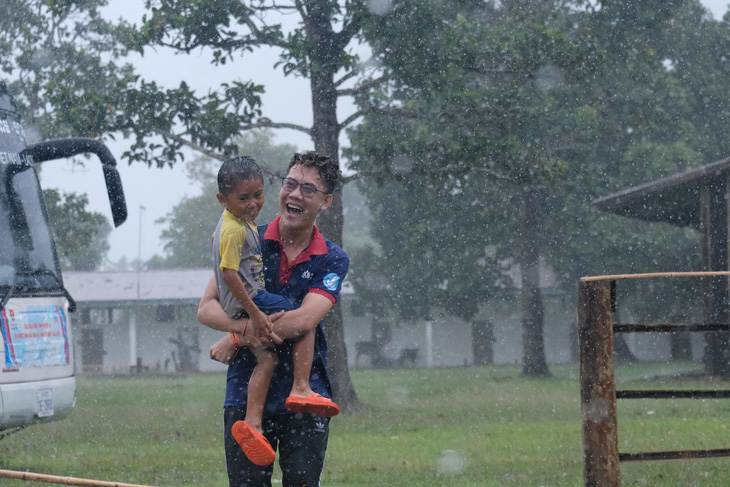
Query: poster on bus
point(34, 336)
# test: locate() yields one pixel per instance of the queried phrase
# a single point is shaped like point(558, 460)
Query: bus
point(37, 369)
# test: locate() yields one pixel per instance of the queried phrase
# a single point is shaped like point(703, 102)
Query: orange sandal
point(313, 403)
point(255, 445)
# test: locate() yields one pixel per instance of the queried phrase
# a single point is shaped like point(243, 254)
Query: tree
point(544, 106)
point(476, 117)
point(81, 236)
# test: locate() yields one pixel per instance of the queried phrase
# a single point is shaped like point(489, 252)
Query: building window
point(165, 313)
point(356, 308)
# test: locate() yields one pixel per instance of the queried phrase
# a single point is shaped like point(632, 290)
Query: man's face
point(298, 212)
point(245, 199)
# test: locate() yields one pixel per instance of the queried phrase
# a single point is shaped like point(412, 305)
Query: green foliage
point(562, 102)
point(64, 67)
point(441, 261)
point(60, 59)
point(472, 120)
point(81, 236)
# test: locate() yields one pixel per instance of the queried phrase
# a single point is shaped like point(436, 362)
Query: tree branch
point(354, 72)
point(278, 125)
point(349, 30)
point(260, 37)
point(192, 145)
point(302, 12)
point(396, 112)
point(352, 118)
point(363, 87)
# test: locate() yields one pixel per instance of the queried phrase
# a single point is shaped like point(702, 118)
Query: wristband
point(245, 325)
point(235, 341)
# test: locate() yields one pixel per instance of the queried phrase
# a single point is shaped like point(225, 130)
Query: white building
point(129, 321)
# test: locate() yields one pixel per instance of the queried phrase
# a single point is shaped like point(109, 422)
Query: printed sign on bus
point(34, 336)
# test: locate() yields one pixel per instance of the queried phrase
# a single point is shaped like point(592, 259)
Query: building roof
point(674, 199)
point(170, 286)
point(167, 286)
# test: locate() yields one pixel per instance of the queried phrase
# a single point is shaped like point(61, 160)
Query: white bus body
point(37, 381)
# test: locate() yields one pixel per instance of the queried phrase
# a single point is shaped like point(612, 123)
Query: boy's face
point(245, 199)
point(297, 211)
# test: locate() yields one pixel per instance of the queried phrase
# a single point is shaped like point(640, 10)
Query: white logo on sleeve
point(331, 280)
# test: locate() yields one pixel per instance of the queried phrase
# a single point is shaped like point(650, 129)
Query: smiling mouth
point(293, 209)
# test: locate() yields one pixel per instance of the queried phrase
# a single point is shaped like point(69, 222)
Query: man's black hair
point(328, 169)
point(237, 169)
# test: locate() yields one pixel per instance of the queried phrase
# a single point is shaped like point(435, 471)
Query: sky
point(151, 193)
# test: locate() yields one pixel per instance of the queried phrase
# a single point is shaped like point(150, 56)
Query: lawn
point(419, 427)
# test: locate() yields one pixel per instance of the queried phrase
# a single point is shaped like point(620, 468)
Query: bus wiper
point(66, 294)
point(8, 295)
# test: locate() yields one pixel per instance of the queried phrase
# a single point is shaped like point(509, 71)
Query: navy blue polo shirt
point(320, 269)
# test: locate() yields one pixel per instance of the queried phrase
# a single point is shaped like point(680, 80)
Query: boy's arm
point(258, 319)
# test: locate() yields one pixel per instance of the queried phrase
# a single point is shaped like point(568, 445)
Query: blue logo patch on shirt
point(331, 280)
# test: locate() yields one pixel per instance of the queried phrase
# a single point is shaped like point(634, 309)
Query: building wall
point(447, 341)
point(443, 341)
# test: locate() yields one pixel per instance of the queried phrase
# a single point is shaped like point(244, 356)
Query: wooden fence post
point(597, 387)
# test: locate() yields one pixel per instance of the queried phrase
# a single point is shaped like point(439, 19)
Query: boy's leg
point(302, 355)
point(302, 398)
point(249, 433)
point(258, 386)
point(241, 471)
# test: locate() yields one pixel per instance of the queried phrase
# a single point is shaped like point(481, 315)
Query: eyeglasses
point(308, 190)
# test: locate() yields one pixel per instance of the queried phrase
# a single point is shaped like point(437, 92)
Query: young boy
point(240, 281)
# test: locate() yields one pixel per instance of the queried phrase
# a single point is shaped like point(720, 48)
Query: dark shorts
point(271, 303)
point(300, 442)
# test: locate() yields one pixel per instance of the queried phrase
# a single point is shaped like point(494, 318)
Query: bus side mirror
point(57, 149)
point(116, 194)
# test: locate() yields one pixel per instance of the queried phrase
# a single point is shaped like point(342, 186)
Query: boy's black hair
point(237, 169)
point(328, 169)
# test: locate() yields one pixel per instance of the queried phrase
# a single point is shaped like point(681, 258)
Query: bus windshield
point(27, 259)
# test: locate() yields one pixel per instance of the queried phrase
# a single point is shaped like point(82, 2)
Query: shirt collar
point(317, 246)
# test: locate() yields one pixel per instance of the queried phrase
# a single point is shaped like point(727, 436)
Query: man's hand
point(224, 350)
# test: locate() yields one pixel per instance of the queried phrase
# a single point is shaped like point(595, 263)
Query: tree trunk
point(714, 218)
point(325, 135)
point(533, 346)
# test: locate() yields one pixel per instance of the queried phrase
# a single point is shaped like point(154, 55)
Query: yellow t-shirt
point(237, 245)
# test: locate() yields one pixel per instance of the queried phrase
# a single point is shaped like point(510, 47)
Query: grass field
point(440, 427)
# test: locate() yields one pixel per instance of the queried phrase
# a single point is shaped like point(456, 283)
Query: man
point(303, 266)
